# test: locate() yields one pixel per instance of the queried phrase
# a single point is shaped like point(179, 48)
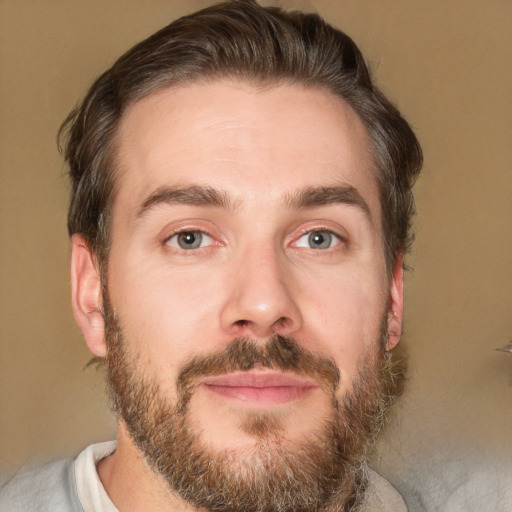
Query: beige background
point(448, 66)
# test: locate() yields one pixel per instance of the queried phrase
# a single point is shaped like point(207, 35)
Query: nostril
point(281, 322)
point(241, 323)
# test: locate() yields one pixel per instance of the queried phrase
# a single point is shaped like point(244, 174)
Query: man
point(240, 211)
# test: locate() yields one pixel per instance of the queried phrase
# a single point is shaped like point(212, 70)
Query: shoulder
point(382, 496)
point(49, 487)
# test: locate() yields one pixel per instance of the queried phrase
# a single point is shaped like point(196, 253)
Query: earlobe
point(396, 304)
point(86, 296)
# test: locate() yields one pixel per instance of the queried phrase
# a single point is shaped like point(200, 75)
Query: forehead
point(256, 142)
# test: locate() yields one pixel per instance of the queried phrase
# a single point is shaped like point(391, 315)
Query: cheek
point(346, 315)
point(165, 313)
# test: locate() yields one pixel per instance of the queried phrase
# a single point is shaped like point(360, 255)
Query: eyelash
point(334, 240)
point(177, 234)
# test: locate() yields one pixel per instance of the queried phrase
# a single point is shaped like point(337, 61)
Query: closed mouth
point(260, 387)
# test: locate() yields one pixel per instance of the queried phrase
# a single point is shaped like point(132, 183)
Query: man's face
point(243, 213)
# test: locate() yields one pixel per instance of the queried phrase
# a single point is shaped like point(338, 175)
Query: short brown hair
point(238, 39)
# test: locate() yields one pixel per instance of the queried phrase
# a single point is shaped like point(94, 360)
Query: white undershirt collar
point(91, 493)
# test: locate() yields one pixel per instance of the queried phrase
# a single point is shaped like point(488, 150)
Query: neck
point(132, 485)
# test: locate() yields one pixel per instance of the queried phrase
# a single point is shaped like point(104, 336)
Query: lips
point(260, 388)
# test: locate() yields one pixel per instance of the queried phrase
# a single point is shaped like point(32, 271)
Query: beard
point(325, 470)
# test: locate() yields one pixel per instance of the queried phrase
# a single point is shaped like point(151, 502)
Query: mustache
point(277, 353)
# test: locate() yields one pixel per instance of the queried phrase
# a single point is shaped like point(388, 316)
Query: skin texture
point(255, 274)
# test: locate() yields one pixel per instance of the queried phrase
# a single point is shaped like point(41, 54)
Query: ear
point(396, 304)
point(86, 295)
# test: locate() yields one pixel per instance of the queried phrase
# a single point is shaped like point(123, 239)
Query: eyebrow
point(307, 198)
point(312, 197)
point(194, 195)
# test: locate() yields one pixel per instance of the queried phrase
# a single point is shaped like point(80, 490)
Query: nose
point(260, 301)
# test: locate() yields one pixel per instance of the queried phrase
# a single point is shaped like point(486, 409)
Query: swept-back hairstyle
point(242, 40)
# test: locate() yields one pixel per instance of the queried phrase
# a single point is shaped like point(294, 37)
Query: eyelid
point(188, 226)
point(335, 239)
point(318, 226)
point(334, 242)
point(175, 235)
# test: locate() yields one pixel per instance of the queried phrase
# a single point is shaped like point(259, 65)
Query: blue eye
point(188, 240)
point(320, 239)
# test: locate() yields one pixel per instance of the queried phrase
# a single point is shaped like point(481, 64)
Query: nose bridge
point(262, 277)
point(261, 302)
